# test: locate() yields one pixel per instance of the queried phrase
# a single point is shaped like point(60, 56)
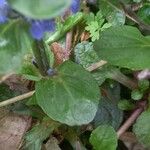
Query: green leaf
point(143, 85)
point(14, 44)
point(40, 9)
point(107, 6)
point(104, 138)
point(136, 94)
point(32, 101)
point(125, 105)
point(116, 18)
point(124, 46)
point(95, 24)
point(108, 111)
point(142, 128)
point(30, 72)
point(94, 30)
point(144, 13)
point(112, 12)
point(70, 97)
point(85, 55)
point(35, 137)
point(69, 23)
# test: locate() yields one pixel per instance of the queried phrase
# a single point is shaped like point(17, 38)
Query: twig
point(16, 99)
point(5, 77)
point(96, 65)
point(131, 119)
point(68, 42)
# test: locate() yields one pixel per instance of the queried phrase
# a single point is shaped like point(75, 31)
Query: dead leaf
point(17, 83)
point(13, 128)
point(60, 53)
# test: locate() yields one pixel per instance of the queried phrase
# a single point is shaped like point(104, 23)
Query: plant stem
point(131, 15)
point(68, 42)
point(16, 99)
point(41, 57)
point(131, 119)
point(68, 26)
point(123, 79)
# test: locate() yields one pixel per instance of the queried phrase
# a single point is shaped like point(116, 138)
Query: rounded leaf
point(70, 97)
point(124, 46)
point(104, 138)
point(136, 94)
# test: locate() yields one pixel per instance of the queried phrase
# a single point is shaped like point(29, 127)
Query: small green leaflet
point(95, 24)
point(70, 97)
point(126, 105)
point(142, 128)
point(104, 137)
point(40, 9)
point(124, 46)
point(143, 85)
point(136, 94)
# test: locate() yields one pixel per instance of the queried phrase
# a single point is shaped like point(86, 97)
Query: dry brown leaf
point(60, 54)
point(13, 128)
point(17, 83)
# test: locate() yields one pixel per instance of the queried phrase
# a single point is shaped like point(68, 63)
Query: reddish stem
point(132, 118)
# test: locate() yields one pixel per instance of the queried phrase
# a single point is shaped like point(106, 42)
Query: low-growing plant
point(85, 66)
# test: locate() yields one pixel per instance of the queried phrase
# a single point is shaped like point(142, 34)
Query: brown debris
point(60, 54)
point(13, 128)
